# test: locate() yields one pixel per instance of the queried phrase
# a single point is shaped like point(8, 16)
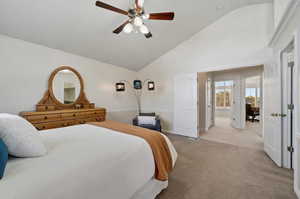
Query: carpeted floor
point(250, 137)
point(212, 170)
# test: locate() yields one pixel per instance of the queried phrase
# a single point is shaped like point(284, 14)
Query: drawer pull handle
point(74, 115)
point(45, 117)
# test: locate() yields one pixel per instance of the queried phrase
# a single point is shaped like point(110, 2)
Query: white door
point(272, 111)
point(186, 105)
point(287, 107)
point(209, 104)
point(238, 103)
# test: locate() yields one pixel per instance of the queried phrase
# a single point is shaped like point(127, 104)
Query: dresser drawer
point(58, 124)
point(43, 118)
point(93, 119)
point(69, 115)
point(91, 114)
point(63, 118)
point(48, 125)
point(102, 112)
point(85, 114)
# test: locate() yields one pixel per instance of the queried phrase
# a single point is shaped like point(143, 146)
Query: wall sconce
point(137, 84)
point(120, 87)
point(137, 87)
point(151, 86)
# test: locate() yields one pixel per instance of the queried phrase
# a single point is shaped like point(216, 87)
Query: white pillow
point(146, 120)
point(20, 137)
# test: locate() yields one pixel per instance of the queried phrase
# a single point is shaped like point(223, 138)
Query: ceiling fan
point(136, 16)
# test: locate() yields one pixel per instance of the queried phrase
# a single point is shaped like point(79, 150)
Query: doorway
point(253, 104)
point(223, 102)
point(231, 91)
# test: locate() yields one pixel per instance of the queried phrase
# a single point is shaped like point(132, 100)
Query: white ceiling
point(79, 27)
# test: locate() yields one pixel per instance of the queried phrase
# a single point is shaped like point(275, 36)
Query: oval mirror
point(66, 86)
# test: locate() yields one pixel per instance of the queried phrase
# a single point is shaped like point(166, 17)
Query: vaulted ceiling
point(79, 27)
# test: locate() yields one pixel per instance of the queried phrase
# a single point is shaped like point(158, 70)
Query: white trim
point(296, 173)
point(297, 130)
point(288, 14)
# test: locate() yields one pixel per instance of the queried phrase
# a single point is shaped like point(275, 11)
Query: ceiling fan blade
point(148, 35)
point(162, 16)
point(120, 28)
point(109, 7)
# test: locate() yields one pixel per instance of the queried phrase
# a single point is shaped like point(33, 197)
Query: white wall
point(280, 7)
point(238, 39)
point(26, 67)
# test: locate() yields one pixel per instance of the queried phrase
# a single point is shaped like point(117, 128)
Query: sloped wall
point(236, 40)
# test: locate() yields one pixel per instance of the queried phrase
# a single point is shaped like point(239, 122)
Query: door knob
point(282, 115)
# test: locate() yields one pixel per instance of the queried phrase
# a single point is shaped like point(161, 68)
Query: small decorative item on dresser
point(78, 106)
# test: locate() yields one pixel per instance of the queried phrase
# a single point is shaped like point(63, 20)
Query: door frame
point(288, 85)
point(296, 37)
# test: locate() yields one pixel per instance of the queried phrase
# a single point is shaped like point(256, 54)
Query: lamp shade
point(120, 87)
point(137, 84)
point(151, 86)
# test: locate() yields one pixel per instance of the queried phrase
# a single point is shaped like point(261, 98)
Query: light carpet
point(250, 137)
point(211, 170)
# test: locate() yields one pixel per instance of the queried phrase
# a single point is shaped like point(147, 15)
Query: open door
point(272, 112)
point(238, 104)
point(288, 72)
point(209, 103)
point(186, 105)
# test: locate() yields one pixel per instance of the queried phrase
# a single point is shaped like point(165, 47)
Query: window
point(253, 96)
point(223, 94)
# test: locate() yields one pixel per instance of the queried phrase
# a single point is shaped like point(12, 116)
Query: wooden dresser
point(64, 103)
point(62, 118)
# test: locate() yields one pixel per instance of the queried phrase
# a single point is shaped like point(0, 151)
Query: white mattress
point(83, 161)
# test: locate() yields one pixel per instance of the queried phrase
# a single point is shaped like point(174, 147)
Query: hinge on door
point(290, 149)
point(291, 106)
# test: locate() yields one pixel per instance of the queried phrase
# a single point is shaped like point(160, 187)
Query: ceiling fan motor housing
point(134, 12)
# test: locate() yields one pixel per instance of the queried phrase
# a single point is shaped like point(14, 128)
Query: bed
point(86, 161)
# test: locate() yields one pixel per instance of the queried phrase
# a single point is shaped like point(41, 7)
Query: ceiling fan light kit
point(137, 16)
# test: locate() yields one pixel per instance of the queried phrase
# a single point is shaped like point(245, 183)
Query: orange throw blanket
point(158, 144)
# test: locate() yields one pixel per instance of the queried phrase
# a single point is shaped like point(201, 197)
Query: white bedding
point(83, 162)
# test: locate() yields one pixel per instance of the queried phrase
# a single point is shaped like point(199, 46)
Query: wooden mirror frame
point(49, 101)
